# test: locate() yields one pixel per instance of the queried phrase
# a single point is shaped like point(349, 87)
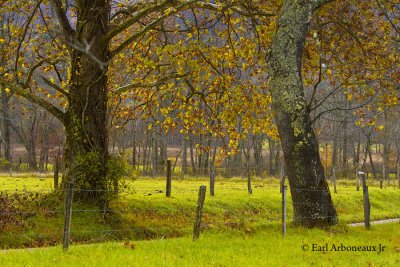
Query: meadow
point(145, 228)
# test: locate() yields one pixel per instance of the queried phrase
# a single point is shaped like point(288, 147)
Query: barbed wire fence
point(225, 217)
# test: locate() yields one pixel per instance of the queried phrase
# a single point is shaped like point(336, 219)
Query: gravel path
point(377, 222)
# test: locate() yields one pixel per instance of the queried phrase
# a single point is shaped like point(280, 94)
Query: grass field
point(229, 248)
point(237, 227)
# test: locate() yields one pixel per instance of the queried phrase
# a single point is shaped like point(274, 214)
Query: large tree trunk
point(312, 203)
point(85, 119)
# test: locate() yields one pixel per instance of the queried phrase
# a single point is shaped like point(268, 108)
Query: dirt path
point(377, 222)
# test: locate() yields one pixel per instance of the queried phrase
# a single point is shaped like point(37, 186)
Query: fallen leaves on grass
point(130, 245)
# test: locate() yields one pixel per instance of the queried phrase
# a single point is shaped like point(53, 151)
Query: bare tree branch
point(134, 19)
point(55, 86)
point(23, 37)
point(19, 90)
point(160, 82)
point(149, 27)
point(62, 19)
point(396, 28)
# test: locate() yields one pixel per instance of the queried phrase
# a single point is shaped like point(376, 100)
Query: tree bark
point(85, 120)
point(312, 203)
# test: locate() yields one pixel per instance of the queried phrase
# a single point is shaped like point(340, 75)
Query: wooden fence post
point(367, 206)
point(199, 211)
point(168, 190)
point(56, 171)
point(358, 175)
point(363, 180)
point(367, 209)
point(284, 189)
point(282, 177)
point(69, 194)
point(249, 189)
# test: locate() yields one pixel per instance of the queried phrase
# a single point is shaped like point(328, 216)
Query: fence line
point(231, 218)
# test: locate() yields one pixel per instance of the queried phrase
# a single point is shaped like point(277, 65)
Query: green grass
point(26, 181)
point(143, 212)
point(227, 248)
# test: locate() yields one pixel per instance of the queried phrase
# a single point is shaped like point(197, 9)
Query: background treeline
point(31, 139)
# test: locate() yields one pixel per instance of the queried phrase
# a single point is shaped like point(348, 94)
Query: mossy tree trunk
point(85, 120)
point(85, 30)
point(312, 201)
